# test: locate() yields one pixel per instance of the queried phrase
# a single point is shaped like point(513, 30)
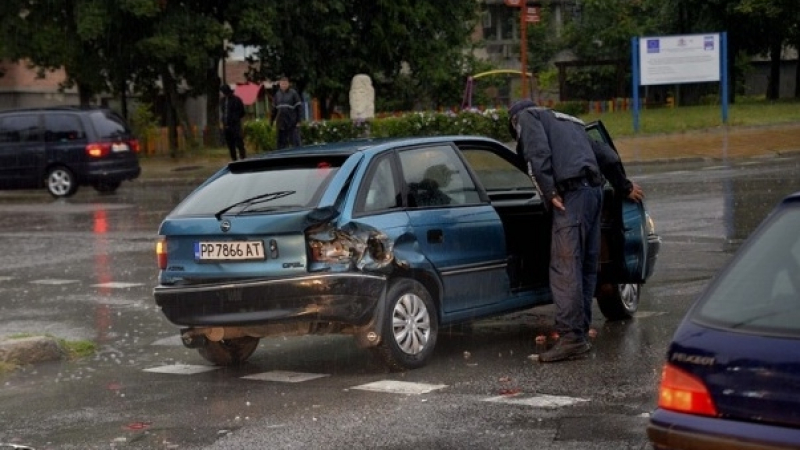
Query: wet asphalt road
point(84, 268)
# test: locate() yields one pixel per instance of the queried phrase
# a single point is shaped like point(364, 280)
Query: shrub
point(261, 136)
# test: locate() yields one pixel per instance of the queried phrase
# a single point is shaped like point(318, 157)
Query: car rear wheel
point(107, 187)
point(229, 352)
point(61, 182)
point(410, 326)
point(618, 301)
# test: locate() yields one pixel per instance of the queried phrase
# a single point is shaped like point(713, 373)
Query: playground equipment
point(468, 90)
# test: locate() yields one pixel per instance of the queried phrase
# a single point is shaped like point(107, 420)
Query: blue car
point(384, 240)
point(732, 375)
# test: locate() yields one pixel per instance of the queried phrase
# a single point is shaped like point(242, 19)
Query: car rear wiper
point(253, 200)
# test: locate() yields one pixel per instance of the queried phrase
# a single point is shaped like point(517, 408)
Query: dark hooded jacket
point(287, 109)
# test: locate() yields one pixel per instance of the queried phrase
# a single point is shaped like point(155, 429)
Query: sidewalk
point(720, 143)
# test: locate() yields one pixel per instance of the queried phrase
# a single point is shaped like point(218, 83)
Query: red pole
point(523, 47)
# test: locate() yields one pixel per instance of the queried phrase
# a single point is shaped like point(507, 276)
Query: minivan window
point(63, 128)
point(760, 291)
point(24, 128)
point(108, 125)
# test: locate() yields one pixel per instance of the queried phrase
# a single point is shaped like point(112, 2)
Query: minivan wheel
point(410, 326)
point(61, 182)
point(106, 187)
point(229, 352)
point(618, 301)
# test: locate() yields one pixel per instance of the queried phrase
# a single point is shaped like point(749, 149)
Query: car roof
point(791, 198)
point(376, 145)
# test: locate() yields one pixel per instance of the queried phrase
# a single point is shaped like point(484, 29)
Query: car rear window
point(109, 125)
point(760, 290)
point(306, 179)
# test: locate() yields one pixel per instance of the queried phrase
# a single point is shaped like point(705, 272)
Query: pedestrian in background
point(287, 110)
point(569, 173)
point(233, 112)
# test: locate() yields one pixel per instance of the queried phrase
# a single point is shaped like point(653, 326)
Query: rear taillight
point(683, 392)
point(98, 150)
point(161, 253)
point(135, 147)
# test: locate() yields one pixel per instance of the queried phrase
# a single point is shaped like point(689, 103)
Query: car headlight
point(650, 226)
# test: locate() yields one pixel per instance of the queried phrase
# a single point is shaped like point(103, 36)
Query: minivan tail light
point(134, 143)
point(161, 253)
point(98, 150)
point(683, 392)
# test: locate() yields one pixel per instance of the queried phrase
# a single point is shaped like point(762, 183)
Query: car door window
point(379, 192)
point(17, 129)
point(63, 128)
point(495, 173)
point(436, 176)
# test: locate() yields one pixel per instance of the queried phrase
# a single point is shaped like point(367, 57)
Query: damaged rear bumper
point(349, 298)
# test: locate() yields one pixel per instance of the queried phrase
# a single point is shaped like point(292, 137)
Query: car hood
point(750, 377)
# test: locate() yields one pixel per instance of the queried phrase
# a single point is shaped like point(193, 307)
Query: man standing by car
point(287, 109)
point(232, 114)
point(562, 160)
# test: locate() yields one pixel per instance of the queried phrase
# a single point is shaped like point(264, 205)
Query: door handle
point(435, 236)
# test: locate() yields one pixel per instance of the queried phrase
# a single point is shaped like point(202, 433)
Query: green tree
point(322, 44)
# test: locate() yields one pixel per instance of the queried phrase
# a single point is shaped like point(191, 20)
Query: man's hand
point(558, 203)
point(636, 194)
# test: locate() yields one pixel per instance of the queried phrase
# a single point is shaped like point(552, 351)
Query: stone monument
point(362, 97)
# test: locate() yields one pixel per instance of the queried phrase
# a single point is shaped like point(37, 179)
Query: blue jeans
point(574, 259)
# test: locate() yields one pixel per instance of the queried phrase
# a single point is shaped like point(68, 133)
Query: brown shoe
point(565, 348)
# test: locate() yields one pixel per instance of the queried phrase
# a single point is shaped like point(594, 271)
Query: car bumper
point(344, 298)
point(675, 431)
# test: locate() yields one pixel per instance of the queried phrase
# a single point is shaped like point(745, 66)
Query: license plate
point(117, 148)
point(229, 251)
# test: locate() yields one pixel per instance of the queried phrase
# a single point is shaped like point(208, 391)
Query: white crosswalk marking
point(6, 279)
point(117, 285)
point(54, 281)
point(400, 387)
point(644, 314)
point(537, 401)
point(169, 341)
point(285, 376)
point(181, 369)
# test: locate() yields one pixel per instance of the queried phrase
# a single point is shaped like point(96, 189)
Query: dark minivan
point(62, 148)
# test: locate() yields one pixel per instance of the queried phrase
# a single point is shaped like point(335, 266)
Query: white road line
point(399, 387)
point(645, 314)
point(282, 376)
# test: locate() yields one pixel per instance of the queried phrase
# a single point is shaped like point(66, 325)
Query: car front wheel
point(410, 326)
point(618, 301)
point(229, 352)
point(61, 182)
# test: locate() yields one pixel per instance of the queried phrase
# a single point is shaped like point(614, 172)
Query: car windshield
point(305, 178)
point(760, 291)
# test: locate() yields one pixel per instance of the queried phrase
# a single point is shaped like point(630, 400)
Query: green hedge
point(262, 137)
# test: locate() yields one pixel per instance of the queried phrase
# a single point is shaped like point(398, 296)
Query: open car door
point(624, 255)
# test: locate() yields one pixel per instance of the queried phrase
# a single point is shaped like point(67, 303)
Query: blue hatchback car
point(384, 240)
point(732, 375)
